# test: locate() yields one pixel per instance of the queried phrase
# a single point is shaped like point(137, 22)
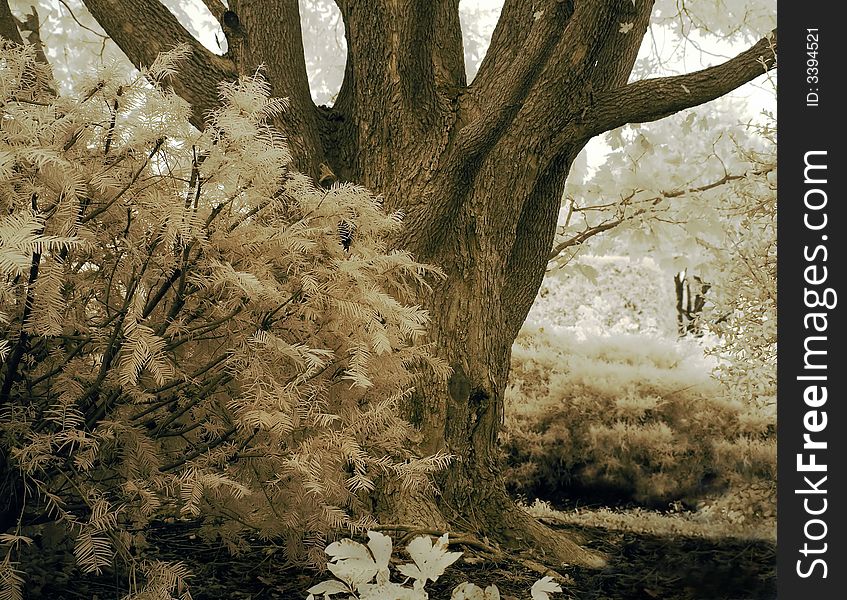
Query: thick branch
point(507, 40)
point(415, 24)
point(396, 105)
point(144, 28)
point(8, 24)
point(617, 56)
point(270, 36)
point(534, 235)
point(399, 54)
point(653, 99)
point(448, 54)
point(498, 104)
point(572, 69)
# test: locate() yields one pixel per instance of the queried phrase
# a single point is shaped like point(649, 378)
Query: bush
point(598, 295)
point(634, 417)
point(184, 334)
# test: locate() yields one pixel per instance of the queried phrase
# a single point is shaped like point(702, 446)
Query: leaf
point(467, 591)
point(430, 561)
point(470, 591)
point(10, 538)
point(351, 562)
point(380, 546)
point(389, 591)
point(626, 27)
point(542, 588)
point(328, 588)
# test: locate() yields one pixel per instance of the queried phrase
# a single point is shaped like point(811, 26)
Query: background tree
point(478, 168)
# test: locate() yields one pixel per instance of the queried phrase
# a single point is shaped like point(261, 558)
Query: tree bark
point(478, 169)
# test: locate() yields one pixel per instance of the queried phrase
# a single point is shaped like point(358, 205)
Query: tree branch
point(397, 101)
point(501, 91)
point(144, 28)
point(406, 50)
point(587, 234)
point(534, 234)
point(573, 69)
point(448, 54)
point(617, 56)
point(8, 24)
point(31, 28)
point(591, 231)
point(508, 39)
point(271, 37)
point(653, 99)
point(217, 8)
point(415, 24)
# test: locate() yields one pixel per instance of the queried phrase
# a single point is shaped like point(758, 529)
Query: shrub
point(598, 295)
point(634, 416)
point(183, 333)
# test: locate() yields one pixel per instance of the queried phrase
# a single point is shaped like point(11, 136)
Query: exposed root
point(495, 526)
point(500, 520)
point(489, 552)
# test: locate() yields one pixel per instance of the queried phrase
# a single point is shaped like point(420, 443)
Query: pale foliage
point(184, 333)
point(363, 572)
point(743, 308)
point(710, 522)
point(710, 212)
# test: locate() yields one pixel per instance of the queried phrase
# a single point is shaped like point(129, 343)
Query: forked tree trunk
point(479, 169)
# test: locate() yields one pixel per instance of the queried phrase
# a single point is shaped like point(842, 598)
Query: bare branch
point(587, 234)
point(653, 99)
point(144, 28)
point(80, 24)
point(590, 232)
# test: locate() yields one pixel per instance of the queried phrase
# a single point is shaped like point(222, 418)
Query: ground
point(640, 567)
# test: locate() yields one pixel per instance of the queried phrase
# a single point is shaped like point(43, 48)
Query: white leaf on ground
point(328, 588)
point(430, 561)
point(542, 588)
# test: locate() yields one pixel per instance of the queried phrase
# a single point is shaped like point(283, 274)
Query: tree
point(478, 170)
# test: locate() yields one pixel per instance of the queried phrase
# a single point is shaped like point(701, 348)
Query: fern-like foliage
point(183, 332)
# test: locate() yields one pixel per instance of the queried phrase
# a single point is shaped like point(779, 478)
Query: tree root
point(488, 551)
point(496, 522)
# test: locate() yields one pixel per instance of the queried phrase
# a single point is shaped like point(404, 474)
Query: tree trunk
point(478, 169)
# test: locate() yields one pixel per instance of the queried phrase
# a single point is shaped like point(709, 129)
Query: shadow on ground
point(641, 567)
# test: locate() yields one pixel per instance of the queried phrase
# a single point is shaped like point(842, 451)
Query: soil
point(640, 567)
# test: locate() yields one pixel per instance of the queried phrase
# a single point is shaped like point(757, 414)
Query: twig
point(73, 16)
